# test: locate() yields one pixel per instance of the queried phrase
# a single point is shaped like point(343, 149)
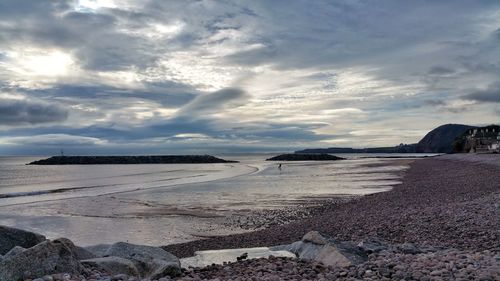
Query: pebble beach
point(441, 223)
point(448, 204)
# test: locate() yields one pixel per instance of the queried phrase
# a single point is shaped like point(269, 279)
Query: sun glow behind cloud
point(41, 63)
point(150, 71)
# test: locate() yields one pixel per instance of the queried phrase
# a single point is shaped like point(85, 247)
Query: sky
point(172, 77)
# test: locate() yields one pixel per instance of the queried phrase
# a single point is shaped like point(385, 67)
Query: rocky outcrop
point(151, 262)
point(155, 159)
point(11, 237)
point(48, 257)
point(317, 247)
point(304, 157)
point(61, 256)
point(113, 265)
point(98, 250)
point(14, 251)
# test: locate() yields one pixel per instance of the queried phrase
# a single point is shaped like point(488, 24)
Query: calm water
point(163, 203)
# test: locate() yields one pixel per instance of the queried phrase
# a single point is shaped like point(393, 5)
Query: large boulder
point(14, 251)
point(48, 257)
point(98, 250)
point(317, 247)
point(151, 262)
point(112, 265)
point(11, 237)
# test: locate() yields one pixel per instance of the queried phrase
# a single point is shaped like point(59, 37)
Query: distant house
point(481, 140)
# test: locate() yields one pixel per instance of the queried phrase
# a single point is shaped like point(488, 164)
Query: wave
point(50, 191)
point(67, 189)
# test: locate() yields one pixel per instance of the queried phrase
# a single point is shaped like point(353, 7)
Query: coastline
point(442, 201)
point(440, 223)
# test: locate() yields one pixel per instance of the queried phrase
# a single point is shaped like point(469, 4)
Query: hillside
point(439, 140)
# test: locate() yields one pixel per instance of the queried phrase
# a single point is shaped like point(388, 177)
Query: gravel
point(387, 265)
point(441, 202)
point(442, 222)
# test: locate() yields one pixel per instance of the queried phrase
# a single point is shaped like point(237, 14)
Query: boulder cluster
point(31, 256)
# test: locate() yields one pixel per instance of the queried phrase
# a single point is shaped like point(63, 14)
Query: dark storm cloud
point(21, 112)
point(492, 94)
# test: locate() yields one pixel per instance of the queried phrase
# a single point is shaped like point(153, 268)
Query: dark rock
point(304, 157)
point(409, 248)
point(83, 254)
point(14, 251)
point(48, 257)
point(98, 250)
point(372, 245)
point(151, 262)
point(155, 159)
point(11, 237)
point(113, 265)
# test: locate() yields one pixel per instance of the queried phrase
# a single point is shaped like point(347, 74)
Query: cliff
point(439, 140)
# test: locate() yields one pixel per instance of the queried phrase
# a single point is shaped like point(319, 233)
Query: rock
point(98, 250)
point(83, 254)
point(14, 251)
point(372, 245)
point(150, 159)
point(48, 257)
point(304, 157)
point(320, 248)
point(409, 248)
point(330, 255)
point(113, 265)
point(11, 237)
point(151, 262)
point(315, 237)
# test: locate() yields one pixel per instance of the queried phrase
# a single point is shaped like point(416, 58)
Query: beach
point(448, 203)
point(440, 222)
point(184, 202)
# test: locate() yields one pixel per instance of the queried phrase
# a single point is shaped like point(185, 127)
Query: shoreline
point(406, 213)
point(440, 223)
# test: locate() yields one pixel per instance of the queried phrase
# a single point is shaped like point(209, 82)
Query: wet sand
point(443, 201)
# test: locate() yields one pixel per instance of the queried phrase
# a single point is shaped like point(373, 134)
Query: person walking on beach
point(279, 166)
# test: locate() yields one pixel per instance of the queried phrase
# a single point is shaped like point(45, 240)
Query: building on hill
point(479, 140)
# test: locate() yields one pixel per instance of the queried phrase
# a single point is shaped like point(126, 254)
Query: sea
point(160, 204)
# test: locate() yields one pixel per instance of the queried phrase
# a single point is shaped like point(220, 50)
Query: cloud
point(23, 111)
point(492, 94)
point(53, 140)
point(214, 102)
point(441, 70)
point(259, 73)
